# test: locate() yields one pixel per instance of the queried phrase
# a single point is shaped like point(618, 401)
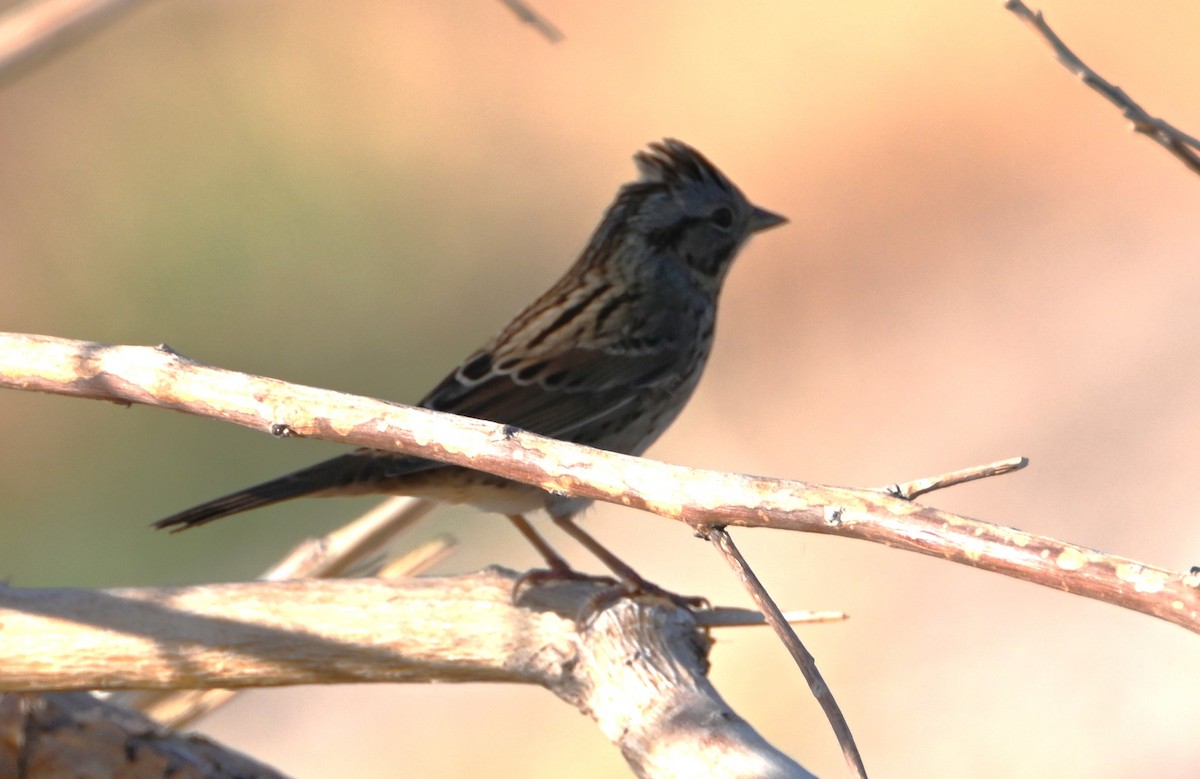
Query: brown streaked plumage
point(607, 357)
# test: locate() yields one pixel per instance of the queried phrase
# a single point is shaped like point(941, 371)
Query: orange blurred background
point(982, 262)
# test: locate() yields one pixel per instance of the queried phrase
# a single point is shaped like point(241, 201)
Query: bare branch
point(1179, 143)
point(703, 499)
point(636, 667)
point(804, 660)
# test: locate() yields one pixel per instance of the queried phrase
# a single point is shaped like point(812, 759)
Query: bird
point(607, 357)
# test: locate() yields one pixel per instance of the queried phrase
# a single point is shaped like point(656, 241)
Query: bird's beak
point(762, 219)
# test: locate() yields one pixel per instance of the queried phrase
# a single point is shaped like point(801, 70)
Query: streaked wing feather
point(587, 386)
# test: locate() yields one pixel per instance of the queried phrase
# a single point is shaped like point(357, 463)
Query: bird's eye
point(722, 217)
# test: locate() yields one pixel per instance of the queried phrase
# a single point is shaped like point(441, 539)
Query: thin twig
point(534, 19)
point(36, 30)
point(910, 490)
point(1179, 143)
point(721, 539)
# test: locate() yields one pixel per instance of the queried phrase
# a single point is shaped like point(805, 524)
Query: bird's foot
point(555, 574)
point(641, 588)
point(609, 592)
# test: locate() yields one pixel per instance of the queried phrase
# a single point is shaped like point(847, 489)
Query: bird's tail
point(359, 472)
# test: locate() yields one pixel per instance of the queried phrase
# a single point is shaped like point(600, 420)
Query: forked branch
point(637, 667)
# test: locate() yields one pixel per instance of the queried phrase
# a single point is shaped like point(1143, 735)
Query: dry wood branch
point(1179, 143)
point(159, 377)
point(637, 667)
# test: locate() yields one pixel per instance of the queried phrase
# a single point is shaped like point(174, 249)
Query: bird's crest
point(673, 163)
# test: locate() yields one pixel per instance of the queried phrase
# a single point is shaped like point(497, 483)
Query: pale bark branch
point(701, 498)
point(37, 29)
point(636, 667)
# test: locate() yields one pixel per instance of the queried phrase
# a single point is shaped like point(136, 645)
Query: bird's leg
point(554, 561)
point(615, 564)
point(634, 582)
point(558, 569)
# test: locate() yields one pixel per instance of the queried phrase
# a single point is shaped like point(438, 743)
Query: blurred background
point(982, 262)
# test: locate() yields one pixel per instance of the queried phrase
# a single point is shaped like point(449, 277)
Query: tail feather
point(358, 473)
point(265, 494)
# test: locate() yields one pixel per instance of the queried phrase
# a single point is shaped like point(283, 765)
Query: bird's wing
point(563, 396)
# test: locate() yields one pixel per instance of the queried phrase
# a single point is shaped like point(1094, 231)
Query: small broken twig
point(911, 490)
point(728, 617)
